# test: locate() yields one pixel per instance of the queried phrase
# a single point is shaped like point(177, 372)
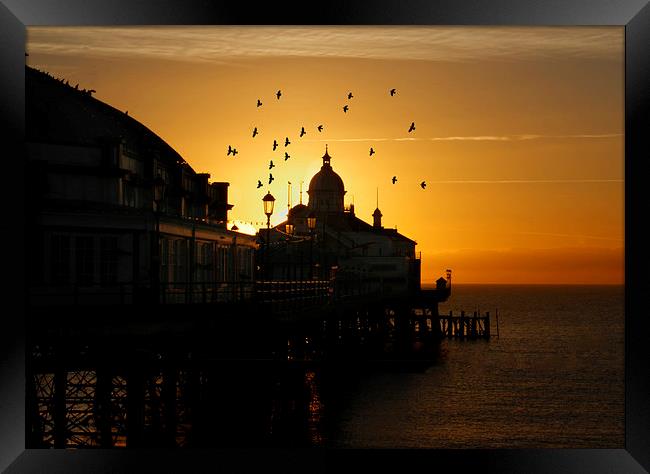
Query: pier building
point(115, 214)
point(326, 240)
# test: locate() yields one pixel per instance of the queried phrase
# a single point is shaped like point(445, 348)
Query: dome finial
point(326, 157)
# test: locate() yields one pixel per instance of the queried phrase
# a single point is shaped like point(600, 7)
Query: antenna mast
point(288, 196)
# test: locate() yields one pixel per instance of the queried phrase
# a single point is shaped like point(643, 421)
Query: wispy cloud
point(480, 138)
point(578, 236)
point(524, 181)
point(225, 43)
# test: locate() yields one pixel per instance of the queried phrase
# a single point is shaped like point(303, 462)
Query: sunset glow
point(519, 131)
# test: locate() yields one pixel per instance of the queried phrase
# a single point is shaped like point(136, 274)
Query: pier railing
point(277, 293)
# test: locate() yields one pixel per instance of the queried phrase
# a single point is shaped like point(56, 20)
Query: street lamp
point(158, 197)
point(311, 224)
point(269, 202)
point(289, 230)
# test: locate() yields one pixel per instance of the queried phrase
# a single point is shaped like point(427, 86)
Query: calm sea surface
point(554, 378)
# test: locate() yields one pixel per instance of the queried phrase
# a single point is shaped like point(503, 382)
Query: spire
point(326, 157)
point(300, 192)
point(376, 216)
point(288, 196)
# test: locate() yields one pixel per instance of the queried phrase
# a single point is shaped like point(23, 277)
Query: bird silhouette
point(302, 132)
point(286, 156)
point(275, 145)
point(392, 92)
point(423, 184)
point(259, 103)
point(254, 132)
point(278, 94)
point(350, 95)
point(229, 150)
point(394, 179)
point(259, 184)
point(412, 127)
point(286, 141)
point(320, 128)
point(234, 151)
point(345, 108)
point(91, 91)
point(372, 152)
point(271, 165)
point(271, 178)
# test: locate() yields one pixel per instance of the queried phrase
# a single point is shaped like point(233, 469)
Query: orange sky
point(519, 131)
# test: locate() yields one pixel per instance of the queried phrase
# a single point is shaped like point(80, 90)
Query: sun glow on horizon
point(520, 143)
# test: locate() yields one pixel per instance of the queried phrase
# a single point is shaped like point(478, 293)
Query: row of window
point(212, 262)
point(83, 259)
point(88, 260)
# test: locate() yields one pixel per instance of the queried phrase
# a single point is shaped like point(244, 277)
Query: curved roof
point(326, 179)
point(56, 112)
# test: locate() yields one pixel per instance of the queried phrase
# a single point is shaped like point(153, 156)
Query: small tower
point(376, 216)
point(376, 219)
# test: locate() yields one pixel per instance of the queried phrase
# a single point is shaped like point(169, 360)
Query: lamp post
point(289, 230)
point(269, 202)
point(311, 224)
point(158, 197)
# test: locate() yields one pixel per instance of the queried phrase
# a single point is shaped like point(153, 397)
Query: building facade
point(114, 214)
point(340, 245)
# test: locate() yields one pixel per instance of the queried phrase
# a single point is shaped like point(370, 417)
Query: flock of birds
point(233, 151)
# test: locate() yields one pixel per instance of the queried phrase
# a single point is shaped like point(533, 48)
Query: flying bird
point(271, 178)
point(302, 132)
point(254, 132)
point(412, 127)
point(394, 179)
point(278, 94)
point(392, 92)
point(350, 95)
point(259, 184)
point(286, 141)
point(320, 128)
point(371, 151)
point(234, 151)
point(229, 150)
point(275, 145)
point(271, 165)
point(259, 103)
point(423, 184)
point(345, 108)
point(286, 156)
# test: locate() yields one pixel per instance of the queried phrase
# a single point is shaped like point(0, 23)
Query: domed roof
point(299, 210)
point(326, 179)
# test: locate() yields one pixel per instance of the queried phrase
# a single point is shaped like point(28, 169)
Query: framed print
point(238, 230)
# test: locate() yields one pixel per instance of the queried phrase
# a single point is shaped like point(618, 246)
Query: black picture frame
point(634, 15)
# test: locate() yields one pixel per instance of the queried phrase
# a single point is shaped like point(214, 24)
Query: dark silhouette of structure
point(115, 215)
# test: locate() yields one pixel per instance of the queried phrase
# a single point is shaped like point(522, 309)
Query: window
point(60, 261)
point(180, 264)
point(85, 260)
point(204, 271)
point(108, 260)
point(130, 195)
